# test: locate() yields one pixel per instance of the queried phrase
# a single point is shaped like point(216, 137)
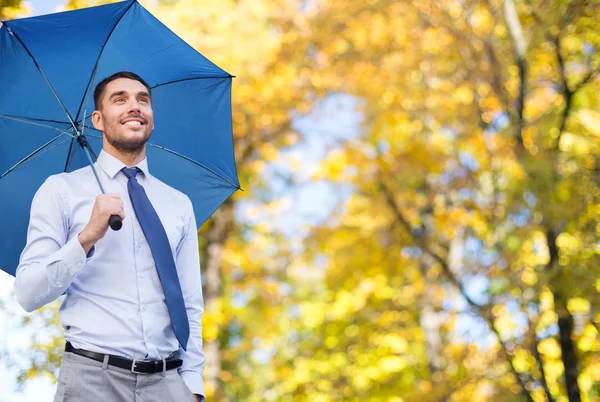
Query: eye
point(119, 100)
point(144, 100)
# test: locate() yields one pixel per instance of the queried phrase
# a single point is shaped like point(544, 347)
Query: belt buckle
point(133, 363)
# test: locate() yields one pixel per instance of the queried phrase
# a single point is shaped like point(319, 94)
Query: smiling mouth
point(134, 120)
point(133, 123)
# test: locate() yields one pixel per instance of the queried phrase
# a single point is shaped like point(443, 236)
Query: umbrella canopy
point(49, 67)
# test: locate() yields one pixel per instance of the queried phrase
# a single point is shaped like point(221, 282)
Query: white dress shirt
point(114, 301)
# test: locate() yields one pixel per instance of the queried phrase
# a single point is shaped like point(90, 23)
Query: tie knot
point(131, 171)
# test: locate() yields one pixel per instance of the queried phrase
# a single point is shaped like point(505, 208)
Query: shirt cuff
point(73, 256)
point(194, 382)
point(91, 252)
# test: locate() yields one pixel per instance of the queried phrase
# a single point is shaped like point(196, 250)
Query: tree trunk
point(569, 358)
point(565, 326)
point(221, 224)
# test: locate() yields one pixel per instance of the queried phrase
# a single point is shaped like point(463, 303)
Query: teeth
point(133, 123)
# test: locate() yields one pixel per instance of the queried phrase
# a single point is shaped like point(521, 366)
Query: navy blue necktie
point(163, 258)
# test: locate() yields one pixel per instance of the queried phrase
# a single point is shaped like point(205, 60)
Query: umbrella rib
point(36, 152)
point(72, 149)
point(95, 70)
point(22, 120)
point(10, 116)
point(187, 159)
point(43, 75)
point(190, 79)
point(196, 163)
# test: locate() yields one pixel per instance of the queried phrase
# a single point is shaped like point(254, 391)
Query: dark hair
point(99, 91)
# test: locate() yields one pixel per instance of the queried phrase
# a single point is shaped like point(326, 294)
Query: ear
point(98, 121)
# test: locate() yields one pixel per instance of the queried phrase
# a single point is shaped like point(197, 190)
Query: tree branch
point(484, 311)
point(566, 92)
point(539, 21)
point(531, 331)
point(589, 76)
point(520, 46)
point(496, 78)
point(540, 362)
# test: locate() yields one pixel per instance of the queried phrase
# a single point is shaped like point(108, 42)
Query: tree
point(10, 9)
point(464, 265)
point(473, 112)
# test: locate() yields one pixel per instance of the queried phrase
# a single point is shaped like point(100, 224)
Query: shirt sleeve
point(188, 270)
point(48, 262)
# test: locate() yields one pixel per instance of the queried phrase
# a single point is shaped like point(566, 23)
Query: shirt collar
point(112, 165)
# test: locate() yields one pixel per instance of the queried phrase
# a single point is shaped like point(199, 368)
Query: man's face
point(125, 116)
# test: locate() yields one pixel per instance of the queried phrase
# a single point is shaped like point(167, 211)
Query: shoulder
point(60, 182)
point(176, 201)
point(54, 184)
point(174, 196)
point(76, 176)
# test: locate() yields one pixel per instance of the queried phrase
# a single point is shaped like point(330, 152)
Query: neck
point(128, 158)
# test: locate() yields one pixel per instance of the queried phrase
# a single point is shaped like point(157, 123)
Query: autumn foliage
point(461, 261)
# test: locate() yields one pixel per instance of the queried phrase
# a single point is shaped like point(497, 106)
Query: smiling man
point(133, 307)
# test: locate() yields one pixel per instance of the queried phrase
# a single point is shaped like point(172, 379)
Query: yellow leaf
point(522, 360)
point(591, 120)
point(392, 364)
point(396, 343)
point(529, 277)
point(549, 348)
point(464, 95)
point(578, 305)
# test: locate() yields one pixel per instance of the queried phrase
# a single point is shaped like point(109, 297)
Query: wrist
point(86, 240)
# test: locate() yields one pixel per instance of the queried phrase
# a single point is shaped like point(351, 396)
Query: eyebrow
point(119, 93)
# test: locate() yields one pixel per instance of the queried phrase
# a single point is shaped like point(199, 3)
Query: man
point(132, 312)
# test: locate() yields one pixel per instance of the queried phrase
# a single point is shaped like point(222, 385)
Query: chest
point(131, 236)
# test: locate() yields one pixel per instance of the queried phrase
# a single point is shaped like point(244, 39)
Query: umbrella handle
point(115, 222)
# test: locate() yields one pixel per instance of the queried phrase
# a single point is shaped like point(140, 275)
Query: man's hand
point(105, 206)
point(198, 398)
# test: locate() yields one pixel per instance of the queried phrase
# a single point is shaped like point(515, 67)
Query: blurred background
point(421, 215)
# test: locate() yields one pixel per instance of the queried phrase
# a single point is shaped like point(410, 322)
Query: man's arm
point(188, 270)
point(48, 263)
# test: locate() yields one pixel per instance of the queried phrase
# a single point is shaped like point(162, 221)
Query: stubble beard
point(121, 144)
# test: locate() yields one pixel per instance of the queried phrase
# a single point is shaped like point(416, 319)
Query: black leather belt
point(135, 366)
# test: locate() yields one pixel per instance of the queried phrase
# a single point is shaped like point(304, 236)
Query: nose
point(134, 107)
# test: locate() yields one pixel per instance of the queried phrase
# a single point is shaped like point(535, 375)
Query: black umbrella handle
point(115, 222)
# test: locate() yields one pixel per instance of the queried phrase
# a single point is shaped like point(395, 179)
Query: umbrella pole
point(114, 221)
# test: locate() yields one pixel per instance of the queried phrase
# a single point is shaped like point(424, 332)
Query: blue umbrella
point(49, 67)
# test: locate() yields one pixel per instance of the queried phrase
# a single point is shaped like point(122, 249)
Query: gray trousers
point(85, 380)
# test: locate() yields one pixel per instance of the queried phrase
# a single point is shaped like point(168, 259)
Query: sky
point(39, 7)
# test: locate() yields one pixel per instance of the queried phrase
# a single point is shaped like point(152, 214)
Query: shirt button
point(141, 276)
point(139, 245)
point(144, 307)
